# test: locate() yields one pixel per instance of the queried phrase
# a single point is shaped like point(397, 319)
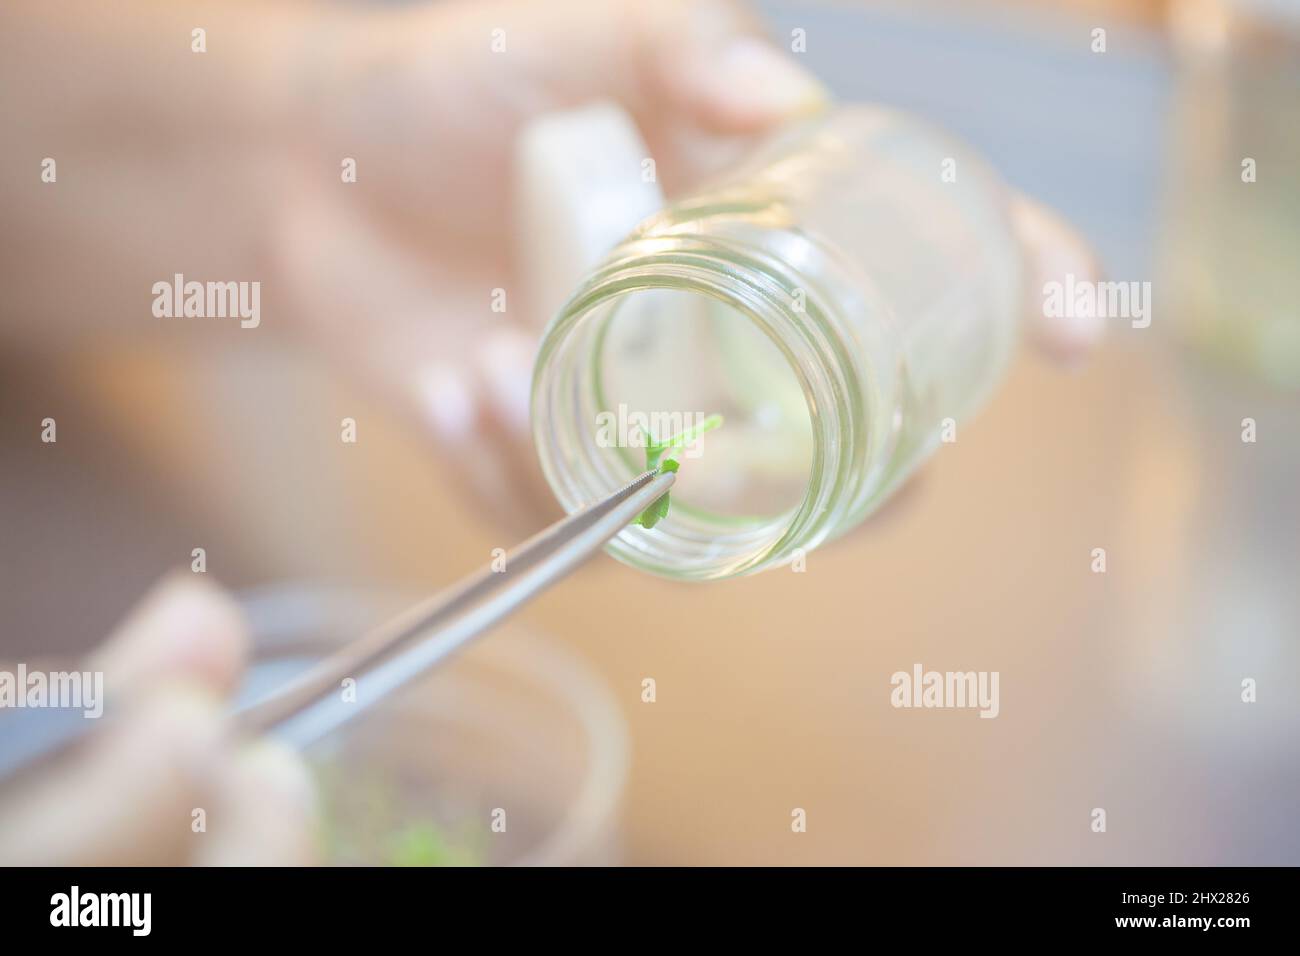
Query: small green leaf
point(650, 517)
point(654, 460)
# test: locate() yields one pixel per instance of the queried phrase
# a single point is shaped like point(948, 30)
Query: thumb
point(697, 77)
point(701, 62)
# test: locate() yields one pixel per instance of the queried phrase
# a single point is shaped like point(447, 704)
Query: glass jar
point(513, 730)
point(842, 298)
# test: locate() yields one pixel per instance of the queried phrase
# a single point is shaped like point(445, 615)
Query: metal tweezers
point(391, 656)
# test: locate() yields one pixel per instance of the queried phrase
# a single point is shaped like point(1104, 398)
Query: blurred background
point(1119, 690)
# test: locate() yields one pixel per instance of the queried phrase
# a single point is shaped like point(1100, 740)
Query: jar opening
point(656, 350)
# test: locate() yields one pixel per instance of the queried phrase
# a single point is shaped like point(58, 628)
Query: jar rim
point(814, 345)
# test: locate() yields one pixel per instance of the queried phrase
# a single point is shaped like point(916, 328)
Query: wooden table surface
point(1118, 690)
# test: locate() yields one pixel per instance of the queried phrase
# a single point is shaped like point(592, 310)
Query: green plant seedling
point(655, 461)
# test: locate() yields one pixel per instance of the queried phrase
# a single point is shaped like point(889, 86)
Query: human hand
point(229, 166)
point(700, 85)
point(129, 794)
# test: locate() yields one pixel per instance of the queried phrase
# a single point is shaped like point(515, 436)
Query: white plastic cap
point(581, 185)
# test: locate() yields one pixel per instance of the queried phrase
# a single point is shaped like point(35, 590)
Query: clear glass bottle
point(836, 298)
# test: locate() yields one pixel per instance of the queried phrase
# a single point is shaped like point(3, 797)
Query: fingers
point(163, 782)
point(480, 412)
point(709, 62)
point(183, 630)
point(698, 78)
point(127, 798)
point(703, 61)
point(436, 93)
point(263, 811)
point(1053, 250)
point(166, 787)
